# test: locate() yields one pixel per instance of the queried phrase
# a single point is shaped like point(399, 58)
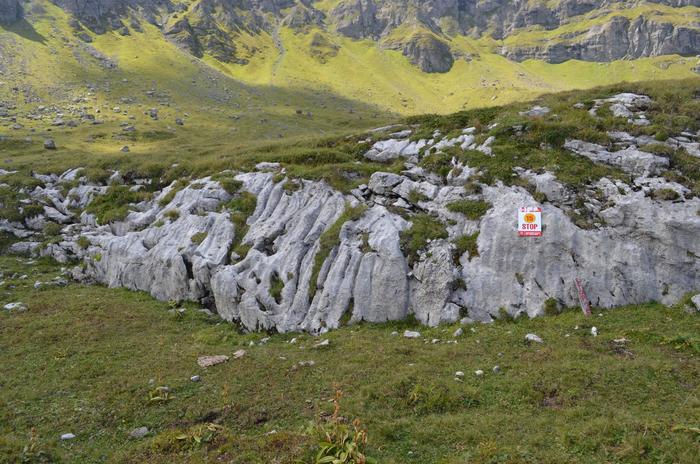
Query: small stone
point(49, 144)
point(125, 149)
point(394, 334)
point(179, 122)
point(532, 338)
point(138, 433)
point(594, 331)
point(459, 374)
point(411, 334)
point(239, 354)
point(37, 285)
point(195, 378)
point(435, 340)
point(264, 340)
point(479, 373)
point(293, 340)
point(67, 436)
point(207, 361)
point(496, 369)
point(458, 333)
point(16, 306)
point(323, 343)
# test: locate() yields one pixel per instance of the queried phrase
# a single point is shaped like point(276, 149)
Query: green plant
point(424, 228)
point(665, 194)
point(551, 307)
point(160, 394)
point(276, 287)
point(338, 442)
point(471, 209)
point(114, 204)
point(172, 214)
point(83, 242)
point(199, 237)
point(466, 243)
point(52, 229)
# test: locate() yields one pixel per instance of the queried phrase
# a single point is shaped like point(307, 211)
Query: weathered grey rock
point(411, 334)
point(696, 301)
point(49, 144)
point(138, 433)
point(536, 111)
point(532, 338)
point(630, 159)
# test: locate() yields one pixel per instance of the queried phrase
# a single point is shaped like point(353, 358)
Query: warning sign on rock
point(530, 222)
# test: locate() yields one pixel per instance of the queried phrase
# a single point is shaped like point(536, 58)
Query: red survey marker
point(530, 222)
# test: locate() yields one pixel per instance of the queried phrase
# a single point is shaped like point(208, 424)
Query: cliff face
point(421, 30)
point(10, 11)
point(618, 39)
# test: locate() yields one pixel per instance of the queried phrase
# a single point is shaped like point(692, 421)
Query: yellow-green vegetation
point(85, 360)
point(466, 243)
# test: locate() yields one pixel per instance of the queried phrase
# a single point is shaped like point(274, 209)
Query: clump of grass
point(665, 194)
point(551, 307)
point(172, 214)
point(470, 208)
point(83, 242)
point(168, 197)
point(424, 228)
point(276, 287)
point(114, 204)
point(466, 243)
point(240, 208)
point(199, 237)
point(52, 229)
point(329, 239)
point(415, 197)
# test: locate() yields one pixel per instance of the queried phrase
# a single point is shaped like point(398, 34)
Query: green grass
point(114, 204)
point(470, 208)
point(85, 360)
point(424, 227)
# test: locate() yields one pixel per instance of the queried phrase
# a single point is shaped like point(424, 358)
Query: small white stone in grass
point(435, 340)
point(293, 340)
point(251, 343)
point(67, 436)
point(411, 334)
point(594, 331)
point(394, 334)
point(322, 343)
point(139, 432)
point(479, 373)
point(458, 333)
point(459, 374)
point(264, 340)
point(238, 354)
point(533, 338)
point(472, 330)
point(496, 369)
point(195, 378)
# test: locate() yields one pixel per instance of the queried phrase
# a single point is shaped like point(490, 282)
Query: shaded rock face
point(427, 52)
point(10, 11)
point(618, 39)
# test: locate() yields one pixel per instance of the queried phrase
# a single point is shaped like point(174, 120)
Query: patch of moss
point(424, 227)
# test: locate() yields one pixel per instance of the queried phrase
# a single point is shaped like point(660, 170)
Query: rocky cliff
point(424, 31)
point(10, 11)
point(440, 246)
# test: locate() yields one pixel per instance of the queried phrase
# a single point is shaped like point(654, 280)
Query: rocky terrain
point(424, 31)
point(436, 240)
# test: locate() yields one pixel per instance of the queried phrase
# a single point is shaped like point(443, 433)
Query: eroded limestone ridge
point(276, 253)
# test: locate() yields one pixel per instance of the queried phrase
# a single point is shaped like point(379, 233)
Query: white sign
point(530, 222)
